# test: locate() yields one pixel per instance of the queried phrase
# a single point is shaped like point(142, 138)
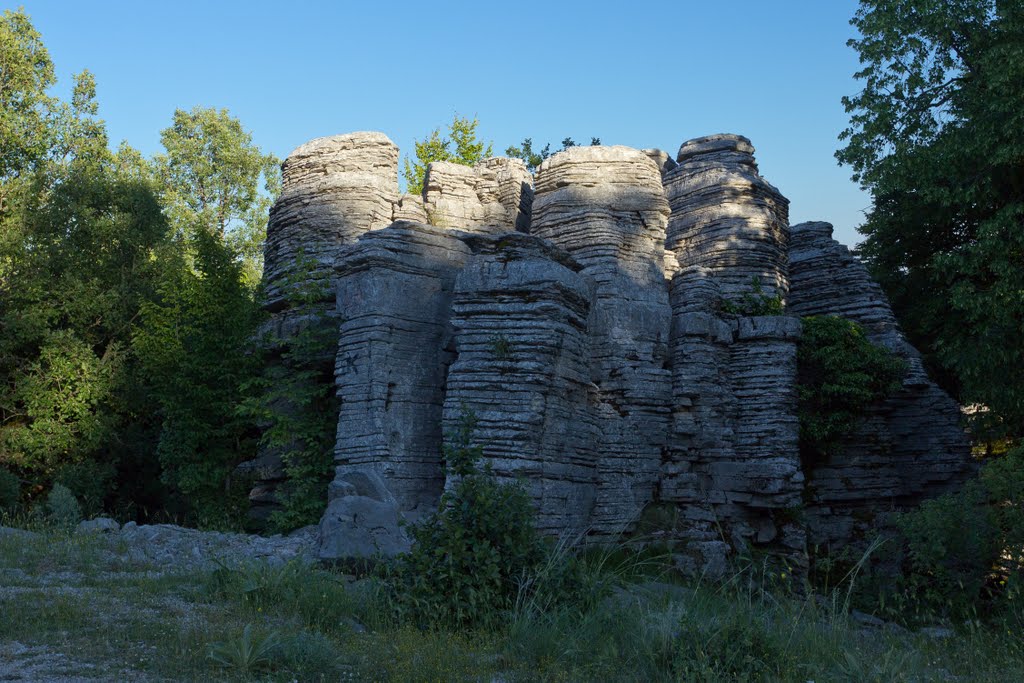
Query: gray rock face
point(494, 196)
point(605, 206)
point(520, 318)
point(725, 217)
point(592, 330)
point(909, 448)
point(362, 520)
point(733, 457)
point(334, 189)
point(394, 290)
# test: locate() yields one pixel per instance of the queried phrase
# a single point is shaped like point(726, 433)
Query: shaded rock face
point(605, 206)
point(394, 288)
point(910, 447)
point(522, 369)
point(334, 189)
point(588, 322)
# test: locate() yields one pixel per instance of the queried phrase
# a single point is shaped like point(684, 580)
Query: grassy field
point(70, 609)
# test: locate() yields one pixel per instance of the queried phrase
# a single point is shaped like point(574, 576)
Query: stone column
point(606, 207)
point(726, 217)
point(334, 190)
point(394, 290)
point(522, 371)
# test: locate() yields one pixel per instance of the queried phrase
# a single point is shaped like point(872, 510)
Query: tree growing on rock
point(534, 158)
point(460, 145)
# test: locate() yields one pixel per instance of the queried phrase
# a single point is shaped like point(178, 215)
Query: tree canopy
point(937, 137)
point(534, 158)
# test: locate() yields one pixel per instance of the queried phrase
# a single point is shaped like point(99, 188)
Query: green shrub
point(90, 481)
point(754, 302)
point(10, 490)
point(62, 508)
point(965, 550)
point(469, 560)
point(840, 374)
point(952, 543)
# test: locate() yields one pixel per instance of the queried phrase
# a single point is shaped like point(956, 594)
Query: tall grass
point(603, 614)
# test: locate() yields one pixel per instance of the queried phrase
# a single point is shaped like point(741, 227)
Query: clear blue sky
point(643, 74)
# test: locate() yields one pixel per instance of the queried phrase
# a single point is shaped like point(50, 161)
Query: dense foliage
point(840, 374)
point(293, 400)
point(963, 553)
point(937, 137)
point(126, 298)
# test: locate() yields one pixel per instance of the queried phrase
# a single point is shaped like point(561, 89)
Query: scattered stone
point(937, 632)
point(98, 525)
point(22, 534)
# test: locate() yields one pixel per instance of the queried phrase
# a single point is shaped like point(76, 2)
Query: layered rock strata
point(493, 196)
point(726, 217)
point(605, 207)
point(908, 448)
point(333, 190)
point(394, 288)
point(607, 336)
point(522, 371)
point(733, 460)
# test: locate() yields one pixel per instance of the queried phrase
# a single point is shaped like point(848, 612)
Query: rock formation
point(906, 449)
point(589, 320)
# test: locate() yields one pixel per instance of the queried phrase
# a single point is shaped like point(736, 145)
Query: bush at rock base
point(470, 559)
point(965, 551)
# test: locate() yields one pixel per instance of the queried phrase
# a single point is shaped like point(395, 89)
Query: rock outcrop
point(726, 217)
point(334, 189)
point(494, 196)
point(908, 448)
point(624, 337)
point(605, 207)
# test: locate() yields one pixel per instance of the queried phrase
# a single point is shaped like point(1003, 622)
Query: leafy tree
point(25, 109)
point(77, 239)
point(937, 136)
point(461, 146)
point(80, 266)
point(534, 158)
point(210, 177)
point(191, 345)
